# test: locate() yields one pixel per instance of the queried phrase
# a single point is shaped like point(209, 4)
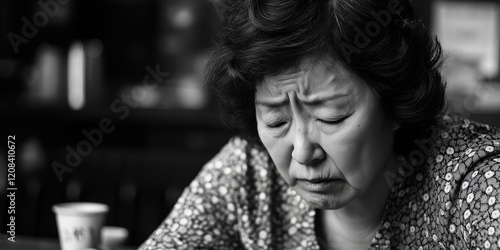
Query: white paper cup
point(79, 224)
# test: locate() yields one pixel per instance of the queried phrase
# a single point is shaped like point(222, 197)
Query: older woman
point(347, 144)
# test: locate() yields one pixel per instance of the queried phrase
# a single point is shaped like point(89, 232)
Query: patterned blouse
point(444, 196)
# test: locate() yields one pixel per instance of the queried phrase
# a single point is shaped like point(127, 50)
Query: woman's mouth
point(318, 185)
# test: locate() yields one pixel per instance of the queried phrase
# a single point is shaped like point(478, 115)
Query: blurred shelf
point(209, 117)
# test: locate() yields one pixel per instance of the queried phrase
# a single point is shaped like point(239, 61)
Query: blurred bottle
point(45, 79)
point(85, 74)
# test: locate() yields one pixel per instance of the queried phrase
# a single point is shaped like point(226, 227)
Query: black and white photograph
point(249, 124)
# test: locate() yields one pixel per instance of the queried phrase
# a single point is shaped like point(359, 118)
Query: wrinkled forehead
point(312, 77)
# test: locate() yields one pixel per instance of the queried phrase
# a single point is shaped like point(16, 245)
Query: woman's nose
point(306, 150)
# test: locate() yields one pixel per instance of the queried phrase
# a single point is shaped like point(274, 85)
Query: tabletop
point(31, 243)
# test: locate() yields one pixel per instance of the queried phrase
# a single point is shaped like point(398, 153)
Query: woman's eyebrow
point(321, 99)
point(271, 103)
point(310, 101)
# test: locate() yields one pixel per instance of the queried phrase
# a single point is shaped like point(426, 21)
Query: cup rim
point(80, 208)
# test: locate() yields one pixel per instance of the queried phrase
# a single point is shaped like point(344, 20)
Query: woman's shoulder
point(464, 150)
point(456, 142)
point(453, 183)
point(452, 157)
point(455, 128)
point(467, 174)
point(452, 120)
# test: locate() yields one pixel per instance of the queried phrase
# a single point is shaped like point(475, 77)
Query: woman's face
point(326, 132)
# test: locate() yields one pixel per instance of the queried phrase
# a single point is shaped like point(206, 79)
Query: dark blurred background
point(69, 66)
point(87, 63)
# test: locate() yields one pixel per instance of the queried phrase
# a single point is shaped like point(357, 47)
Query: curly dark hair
point(380, 41)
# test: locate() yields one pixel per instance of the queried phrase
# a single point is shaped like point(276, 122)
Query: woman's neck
point(358, 222)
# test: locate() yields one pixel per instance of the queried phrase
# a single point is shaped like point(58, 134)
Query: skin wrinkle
point(341, 85)
point(356, 150)
point(301, 80)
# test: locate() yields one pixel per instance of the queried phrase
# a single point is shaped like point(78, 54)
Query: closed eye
point(276, 125)
point(333, 122)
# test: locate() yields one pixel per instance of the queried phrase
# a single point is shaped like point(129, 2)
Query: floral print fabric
point(444, 196)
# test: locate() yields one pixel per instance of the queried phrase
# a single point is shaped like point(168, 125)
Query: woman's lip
point(317, 180)
point(318, 185)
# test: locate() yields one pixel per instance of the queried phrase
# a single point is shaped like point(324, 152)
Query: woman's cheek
point(347, 151)
point(277, 151)
point(366, 152)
